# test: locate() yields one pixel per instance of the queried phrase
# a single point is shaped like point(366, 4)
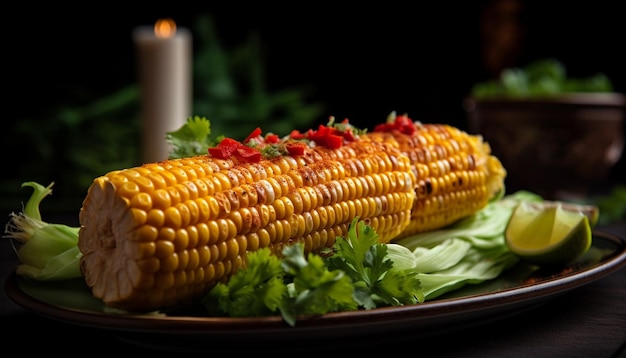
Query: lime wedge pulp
point(591, 211)
point(550, 234)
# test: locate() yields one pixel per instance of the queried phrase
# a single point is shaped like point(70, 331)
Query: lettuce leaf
point(470, 251)
point(46, 251)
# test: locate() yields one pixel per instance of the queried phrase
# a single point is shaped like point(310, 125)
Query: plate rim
point(401, 316)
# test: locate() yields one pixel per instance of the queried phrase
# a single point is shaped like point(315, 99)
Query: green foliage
point(358, 274)
point(376, 281)
point(314, 288)
point(85, 138)
point(612, 206)
point(232, 91)
point(73, 145)
point(540, 78)
point(256, 291)
point(47, 251)
point(292, 285)
point(193, 138)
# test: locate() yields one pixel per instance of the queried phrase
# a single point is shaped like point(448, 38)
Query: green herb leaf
point(257, 290)
point(376, 281)
point(193, 138)
point(358, 274)
point(315, 289)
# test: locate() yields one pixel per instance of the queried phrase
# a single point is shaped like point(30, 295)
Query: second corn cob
point(455, 173)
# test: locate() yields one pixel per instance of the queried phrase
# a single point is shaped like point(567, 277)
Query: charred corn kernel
point(165, 233)
point(455, 173)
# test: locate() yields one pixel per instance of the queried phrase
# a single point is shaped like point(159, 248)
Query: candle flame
point(164, 28)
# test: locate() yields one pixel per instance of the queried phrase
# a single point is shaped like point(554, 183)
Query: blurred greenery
point(74, 144)
point(612, 206)
point(232, 94)
point(540, 78)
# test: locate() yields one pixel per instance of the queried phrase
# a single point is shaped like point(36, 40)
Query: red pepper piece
point(323, 130)
point(229, 143)
point(383, 127)
point(401, 123)
point(296, 134)
point(295, 148)
point(330, 141)
point(255, 133)
point(248, 154)
point(225, 148)
point(404, 124)
point(220, 152)
point(349, 135)
point(272, 138)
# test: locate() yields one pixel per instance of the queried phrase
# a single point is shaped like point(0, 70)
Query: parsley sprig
point(376, 281)
point(358, 275)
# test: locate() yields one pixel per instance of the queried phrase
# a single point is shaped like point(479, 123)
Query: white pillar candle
point(164, 59)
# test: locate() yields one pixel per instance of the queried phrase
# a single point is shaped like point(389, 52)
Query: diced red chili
point(295, 148)
point(229, 143)
point(248, 154)
point(272, 138)
point(323, 130)
point(330, 141)
point(220, 152)
point(229, 147)
point(255, 133)
point(296, 134)
point(405, 124)
point(349, 135)
point(383, 127)
point(401, 123)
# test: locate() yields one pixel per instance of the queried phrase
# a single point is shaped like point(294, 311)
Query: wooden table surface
point(588, 321)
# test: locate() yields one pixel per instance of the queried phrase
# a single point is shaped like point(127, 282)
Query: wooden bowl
point(557, 146)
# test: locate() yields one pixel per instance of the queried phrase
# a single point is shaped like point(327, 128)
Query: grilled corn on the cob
point(165, 233)
point(455, 173)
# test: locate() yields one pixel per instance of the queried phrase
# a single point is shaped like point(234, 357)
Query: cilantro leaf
point(358, 273)
point(365, 260)
point(257, 290)
point(193, 138)
point(314, 289)
point(399, 287)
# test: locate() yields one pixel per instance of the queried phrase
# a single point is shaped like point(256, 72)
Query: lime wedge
point(550, 234)
point(591, 211)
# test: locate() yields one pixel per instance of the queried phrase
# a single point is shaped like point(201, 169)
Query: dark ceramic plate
point(517, 290)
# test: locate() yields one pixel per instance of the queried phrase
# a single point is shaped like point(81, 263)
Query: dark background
point(364, 62)
point(361, 62)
